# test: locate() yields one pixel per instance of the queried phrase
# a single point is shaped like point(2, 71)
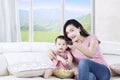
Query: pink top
point(59, 64)
point(98, 57)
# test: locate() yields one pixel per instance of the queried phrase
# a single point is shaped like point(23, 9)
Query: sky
point(52, 4)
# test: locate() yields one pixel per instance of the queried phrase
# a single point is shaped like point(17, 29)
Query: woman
point(86, 52)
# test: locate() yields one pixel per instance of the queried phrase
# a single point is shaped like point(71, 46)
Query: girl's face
point(61, 45)
point(73, 33)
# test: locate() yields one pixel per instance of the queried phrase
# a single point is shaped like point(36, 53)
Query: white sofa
point(13, 53)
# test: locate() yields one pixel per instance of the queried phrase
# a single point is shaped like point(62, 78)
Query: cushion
point(115, 68)
point(27, 69)
point(21, 57)
point(3, 66)
point(62, 73)
point(28, 64)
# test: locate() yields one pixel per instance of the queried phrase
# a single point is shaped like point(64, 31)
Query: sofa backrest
point(111, 51)
point(110, 48)
point(25, 47)
point(106, 46)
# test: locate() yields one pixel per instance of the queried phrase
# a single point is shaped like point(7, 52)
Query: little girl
point(61, 56)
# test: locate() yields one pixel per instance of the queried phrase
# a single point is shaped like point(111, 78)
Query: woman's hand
point(52, 55)
point(88, 51)
point(74, 46)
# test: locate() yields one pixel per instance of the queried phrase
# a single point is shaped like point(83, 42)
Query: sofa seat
point(10, 77)
point(115, 78)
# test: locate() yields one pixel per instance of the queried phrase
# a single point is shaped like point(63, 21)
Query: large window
point(47, 19)
point(42, 20)
point(81, 10)
point(23, 6)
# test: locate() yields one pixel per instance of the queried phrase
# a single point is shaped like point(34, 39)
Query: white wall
point(107, 20)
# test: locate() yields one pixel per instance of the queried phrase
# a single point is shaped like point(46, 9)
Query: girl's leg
point(86, 67)
point(47, 73)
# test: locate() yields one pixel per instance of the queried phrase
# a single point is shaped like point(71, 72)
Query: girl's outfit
point(94, 68)
point(59, 64)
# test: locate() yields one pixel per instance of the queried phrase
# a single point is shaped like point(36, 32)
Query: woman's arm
point(52, 55)
point(90, 51)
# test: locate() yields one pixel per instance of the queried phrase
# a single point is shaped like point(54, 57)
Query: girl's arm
point(90, 51)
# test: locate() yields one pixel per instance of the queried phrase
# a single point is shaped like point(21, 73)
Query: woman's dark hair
point(75, 23)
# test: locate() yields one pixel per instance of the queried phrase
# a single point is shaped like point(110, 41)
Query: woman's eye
point(72, 30)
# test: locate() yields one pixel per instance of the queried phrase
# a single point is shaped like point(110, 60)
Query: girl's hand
point(59, 58)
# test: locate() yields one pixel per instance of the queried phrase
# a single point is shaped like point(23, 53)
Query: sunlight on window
point(80, 10)
point(47, 20)
point(48, 16)
point(23, 6)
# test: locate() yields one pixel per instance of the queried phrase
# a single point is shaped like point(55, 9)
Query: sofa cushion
point(27, 69)
point(3, 66)
point(26, 59)
point(10, 77)
point(21, 57)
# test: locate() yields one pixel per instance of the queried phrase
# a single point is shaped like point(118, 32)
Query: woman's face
point(73, 33)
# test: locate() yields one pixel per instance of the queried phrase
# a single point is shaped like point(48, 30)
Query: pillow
point(21, 57)
point(62, 73)
point(22, 63)
point(115, 68)
point(3, 66)
point(27, 69)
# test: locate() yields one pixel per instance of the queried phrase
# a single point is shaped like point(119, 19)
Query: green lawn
point(41, 36)
point(44, 36)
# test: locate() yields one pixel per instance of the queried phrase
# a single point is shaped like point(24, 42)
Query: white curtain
point(9, 22)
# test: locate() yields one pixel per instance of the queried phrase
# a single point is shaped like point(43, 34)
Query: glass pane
point(47, 20)
point(23, 6)
point(80, 10)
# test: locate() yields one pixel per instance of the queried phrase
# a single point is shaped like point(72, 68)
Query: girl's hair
point(75, 23)
point(60, 37)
